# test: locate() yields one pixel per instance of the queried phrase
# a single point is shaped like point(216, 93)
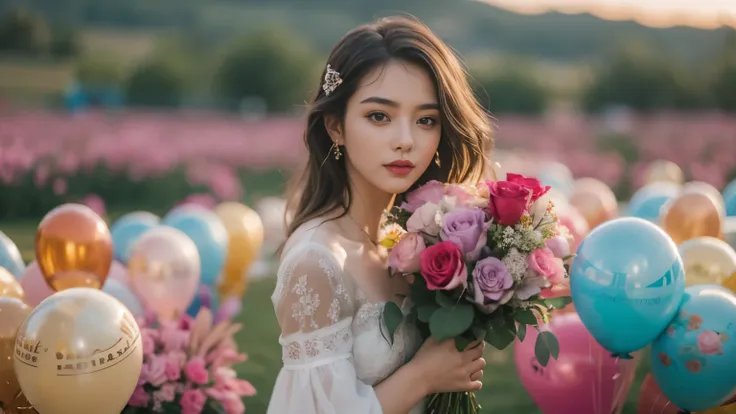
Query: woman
point(394, 110)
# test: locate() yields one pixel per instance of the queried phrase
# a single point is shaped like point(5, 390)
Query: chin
point(395, 185)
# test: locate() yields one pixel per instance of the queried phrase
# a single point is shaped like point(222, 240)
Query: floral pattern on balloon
point(707, 342)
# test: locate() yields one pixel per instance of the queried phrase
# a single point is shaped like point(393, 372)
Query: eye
point(378, 117)
point(427, 121)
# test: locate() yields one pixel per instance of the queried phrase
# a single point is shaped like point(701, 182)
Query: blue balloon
point(10, 257)
point(126, 231)
point(206, 297)
point(693, 361)
point(209, 235)
point(729, 197)
point(626, 283)
point(647, 202)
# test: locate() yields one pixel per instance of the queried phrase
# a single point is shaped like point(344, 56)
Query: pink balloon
point(229, 309)
point(584, 379)
point(164, 271)
point(571, 218)
point(34, 286)
point(118, 272)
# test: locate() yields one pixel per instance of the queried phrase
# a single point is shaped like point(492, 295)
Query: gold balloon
point(702, 187)
point(664, 171)
point(12, 314)
point(73, 248)
point(79, 351)
point(594, 200)
point(9, 286)
point(725, 409)
point(730, 283)
point(691, 215)
point(245, 230)
point(707, 260)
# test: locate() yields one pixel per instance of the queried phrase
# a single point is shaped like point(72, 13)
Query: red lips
point(400, 167)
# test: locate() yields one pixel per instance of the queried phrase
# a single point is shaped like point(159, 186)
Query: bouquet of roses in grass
point(479, 259)
point(187, 367)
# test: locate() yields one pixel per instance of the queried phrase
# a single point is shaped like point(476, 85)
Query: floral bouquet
point(479, 260)
point(187, 368)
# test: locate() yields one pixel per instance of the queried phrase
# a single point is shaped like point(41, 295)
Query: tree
point(269, 64)
point(98, 70)
point(65, 42)
point(155, 83)
point(723, 81)
point(24, 32)
point(511, 89)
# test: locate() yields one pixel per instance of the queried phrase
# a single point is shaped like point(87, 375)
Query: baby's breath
point(515, 263)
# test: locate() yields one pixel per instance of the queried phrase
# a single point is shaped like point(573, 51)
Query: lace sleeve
point(315, 310)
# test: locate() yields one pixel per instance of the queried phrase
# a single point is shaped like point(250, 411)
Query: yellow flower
point(392, 233)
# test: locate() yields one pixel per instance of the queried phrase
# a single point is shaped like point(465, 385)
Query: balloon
point(626, 283)
point(12, 314)
point(34, 286)
point(204, 298)
point(726, 409)
point(73, 248)
point(9, 286)
point(729, 198)
point(594, 200)
point(245, 231)
point(125, 295)
point(210, 237)
point(118, 272)
point(730, 283)
point(700, 187)
point(707, 260)
point(164, 271)
point(663, 171)
point(691, 215)
point(729, 231)
point(598, 382)
point(128, 229)
point(79, 351)
point(693, 360)
point(652, 400)
point(648, 201)
point(557, 175)
point(10, 257)
point(229, 309)
point(185, 208)
point(575, 223)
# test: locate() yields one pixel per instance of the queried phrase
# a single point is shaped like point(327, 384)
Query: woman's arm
point(400, 392)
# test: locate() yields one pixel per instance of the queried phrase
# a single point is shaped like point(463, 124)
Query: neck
point(368, 205)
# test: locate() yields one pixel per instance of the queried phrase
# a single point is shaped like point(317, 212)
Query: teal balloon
point(210, 236)
point(206, 297)
point(626, 283)
point(126, 231)
point(647, 202)
point(10, 257)
point(693, 361)
point(729, 197)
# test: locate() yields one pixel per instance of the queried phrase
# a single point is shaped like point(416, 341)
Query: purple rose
point(466, 228)
point(431, 192)
point(492, 284)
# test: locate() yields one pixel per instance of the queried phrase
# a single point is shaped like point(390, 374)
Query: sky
point(658, 13)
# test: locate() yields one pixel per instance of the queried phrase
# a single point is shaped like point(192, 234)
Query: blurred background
point(143, 105)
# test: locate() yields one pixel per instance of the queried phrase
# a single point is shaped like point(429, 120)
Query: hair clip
point(332, 80)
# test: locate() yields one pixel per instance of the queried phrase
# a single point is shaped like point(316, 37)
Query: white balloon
point(122, 292)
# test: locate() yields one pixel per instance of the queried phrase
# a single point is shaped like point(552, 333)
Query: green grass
point(502, 390)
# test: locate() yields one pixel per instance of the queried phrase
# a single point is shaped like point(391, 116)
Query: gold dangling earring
point(437, 158)
point(336, 150)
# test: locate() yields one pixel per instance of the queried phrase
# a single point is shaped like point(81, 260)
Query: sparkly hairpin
point(332, 80)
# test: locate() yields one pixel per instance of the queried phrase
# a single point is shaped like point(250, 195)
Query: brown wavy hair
point(466, 140)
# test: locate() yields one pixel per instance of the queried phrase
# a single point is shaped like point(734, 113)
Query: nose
point(403, 138)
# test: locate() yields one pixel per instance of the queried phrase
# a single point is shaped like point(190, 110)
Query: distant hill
point(469, 26)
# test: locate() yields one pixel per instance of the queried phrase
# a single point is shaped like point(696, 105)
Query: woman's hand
point(445, 369)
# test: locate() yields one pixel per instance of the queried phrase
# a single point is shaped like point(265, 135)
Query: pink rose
point(148, 343)
point(140, 398)
point(404, 257)
point(172, 370)
point(709, 343)
point(442, 266)
point(559, 245)
point(196, 371)
point(430, 192)
point(192, 401)
point(508, 202)
point(174, 339)
point(534, 186)
point(157, 371)
point(466, 198)
point(233, 405)
point(227, 380)
point(426, 219)
point(167, 393)
point(178, 358)
point(225, 356)
point(543, 262)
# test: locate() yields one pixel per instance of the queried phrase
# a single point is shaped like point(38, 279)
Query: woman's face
point(392, 128)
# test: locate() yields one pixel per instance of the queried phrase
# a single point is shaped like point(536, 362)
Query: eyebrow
point(388, 102)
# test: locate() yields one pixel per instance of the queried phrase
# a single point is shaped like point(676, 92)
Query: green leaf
point(567, 268)
point(462, 342)
point(546, 346)
point(444, 300)
point(521, 332)
point(451, 322)
point(479, 332)
point(392, 317)
point(558, 302)
point(419, 293)
point(526, 317)
point(569, 257)
point(425, 312)
point(500, 338)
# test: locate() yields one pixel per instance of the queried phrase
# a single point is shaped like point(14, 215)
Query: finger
point(473, 354)
point(474, 386)
point(476, 375)
point(477, 365)
point(476, 344)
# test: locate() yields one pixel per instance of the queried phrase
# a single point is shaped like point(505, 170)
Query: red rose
point(443, 267)
point(532, 184)
point(508, 201)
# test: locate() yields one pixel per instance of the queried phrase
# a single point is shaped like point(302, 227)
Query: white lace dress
point(335, 346)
